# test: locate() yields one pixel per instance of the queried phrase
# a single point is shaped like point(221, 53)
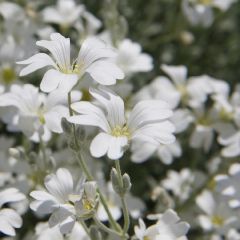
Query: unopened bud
point(81, 133)
point(66, 126)
point(115, 182)
point(126, 183)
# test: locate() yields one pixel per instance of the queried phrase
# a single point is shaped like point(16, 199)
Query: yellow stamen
point(217, 220)
point(119, 131)
point(205, 2)
point(8, 75)
point(88, 205)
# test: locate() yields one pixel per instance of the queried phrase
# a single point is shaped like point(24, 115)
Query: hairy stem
point(87, 173)
point(123, 201)
point(104, 227)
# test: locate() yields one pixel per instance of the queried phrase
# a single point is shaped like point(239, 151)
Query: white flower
point(64, 200)
point(231, 145)
point(180, 183)
point(142, 151)
point(43, 232)
point(65, 13)
point(160, 88)
point(9, 218)
point(218, 215)
point(202, 136)
point(195, 90)
point(35, 110)
point(168, 227)
point(94, 58)
point(68, 14)
point(131, 59)
point(200, 12)
point(228, 185)
point(148, 122)
point(11, 11)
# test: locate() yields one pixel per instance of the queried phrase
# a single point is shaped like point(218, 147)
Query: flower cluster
point(111, 132)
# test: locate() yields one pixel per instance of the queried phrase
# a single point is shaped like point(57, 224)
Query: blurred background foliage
point(162, 30)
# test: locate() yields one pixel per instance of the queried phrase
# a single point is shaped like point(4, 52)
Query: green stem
point(104, 227)
point(43, 149)
point(85, 228)
point(86, 171)
point(123, 201)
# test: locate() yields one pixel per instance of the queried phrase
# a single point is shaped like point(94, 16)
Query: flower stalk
point(87, 173)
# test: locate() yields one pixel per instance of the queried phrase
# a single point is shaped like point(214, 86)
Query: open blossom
point(68, 14)
point(131, 59)
point(200, 12)
point(9, 218)
point(218, 216)
point(94, 58)
point(168, 227)
point(63, 200)
point(43, 232)
point(148, 122)
point(35, 110)
point(228, 185)
point(65, 13)
point(180, 183)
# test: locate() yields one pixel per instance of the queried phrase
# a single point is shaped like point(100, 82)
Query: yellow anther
point(88, 205)
point(119, 131)
point(8, 75)
point(217, 220)
point(205, 2)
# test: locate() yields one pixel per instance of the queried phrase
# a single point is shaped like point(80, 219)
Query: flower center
point(205, 2)
point(8, 75)
point(226, 115)
point(40, 114)
point(217, 220)
point(119, 131)
point(87, 204)
point(146, 238)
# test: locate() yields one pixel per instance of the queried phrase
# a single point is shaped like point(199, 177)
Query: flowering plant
point(111, 132)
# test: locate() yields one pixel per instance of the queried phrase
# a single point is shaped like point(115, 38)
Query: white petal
point(60, 185)
point(206, 202)
point(53, 118)
point(67, 225)
point(68, 81)
point(60, 49)
point(177, 73)
point(205, 222)
point(10, 195)
point(105, 72)
point(148, 111)
point(113, 104)
point(141, 151)
point(36, 62)
point(156, 133)
point(41, 195)
point(100, 144)
point(50, 81)
point(92, 50)
point(91, 115)
point(116, 147)
point(6, 228)
point(44, 207)
point(12, 217)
